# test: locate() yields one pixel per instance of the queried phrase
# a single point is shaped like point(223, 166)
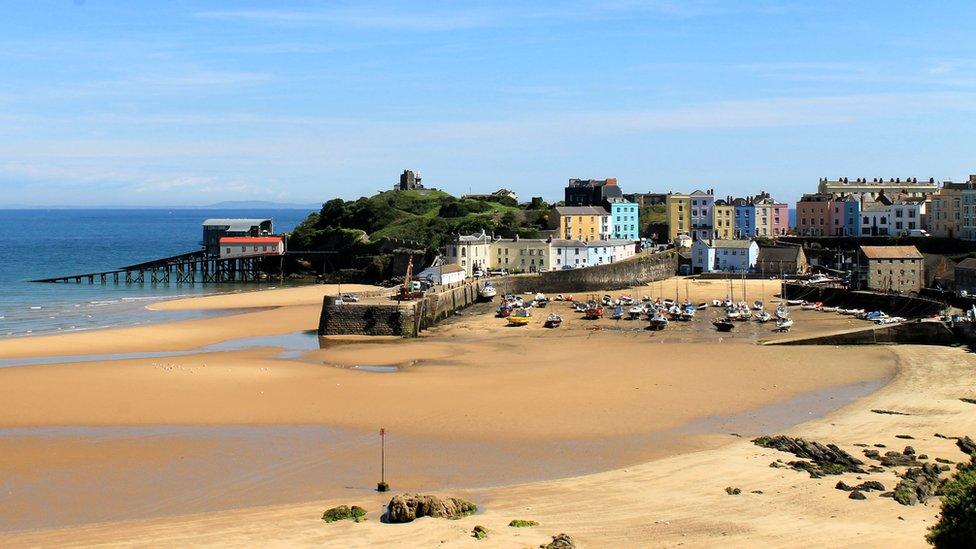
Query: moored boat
point(618, 313)
point(723, 325)
point(519, 317)
point(635, 312)
point(763, 316)
point(553, 321)
point(782, 312)
point(784, 325)
point(658, 321)
point(487, 292)
point(594, 312)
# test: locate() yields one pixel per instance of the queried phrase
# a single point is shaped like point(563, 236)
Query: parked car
point(349, 298)
point(499, 272)
point(478, 273)
point(918, 232)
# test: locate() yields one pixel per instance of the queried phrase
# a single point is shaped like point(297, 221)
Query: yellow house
point(586, 223)
point(723, 220)
point(679, 214)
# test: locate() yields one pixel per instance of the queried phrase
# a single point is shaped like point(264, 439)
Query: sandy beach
point(622, 396)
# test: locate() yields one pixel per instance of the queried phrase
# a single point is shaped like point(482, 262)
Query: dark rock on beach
point(409, 507)
point(906, 437)
point(561, 541)
point(967, 446)
point(841, 485)
point(826, 459)
point(871, 486)
point(856, 494)
point(917, 484)
point(891, 412)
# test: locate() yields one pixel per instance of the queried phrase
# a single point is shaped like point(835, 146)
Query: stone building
point(891, 268)
point(964, 278)
point(781, 260)
point(409, 181)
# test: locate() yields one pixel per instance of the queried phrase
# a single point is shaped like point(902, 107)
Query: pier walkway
point(188, 268)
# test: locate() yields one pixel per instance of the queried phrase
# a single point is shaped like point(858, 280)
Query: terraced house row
point(701, 216)
point(483, 252)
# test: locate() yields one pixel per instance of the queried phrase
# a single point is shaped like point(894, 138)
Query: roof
point(968, 263)
point(250, 240)
point(780, 254)
point(609, 242)
point(565, 243)
point(474, 237)
point(235, 225)
point(891, 252)
point(728, 244)
point(581, 210)
point(451, 268)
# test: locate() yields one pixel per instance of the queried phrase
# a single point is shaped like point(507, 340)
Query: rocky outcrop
point(967, 446)
point(917, 484)
point(410, 507)
point(824, 460)
point(561, 541)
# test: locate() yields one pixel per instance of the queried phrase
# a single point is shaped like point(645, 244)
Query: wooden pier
point(188, 268)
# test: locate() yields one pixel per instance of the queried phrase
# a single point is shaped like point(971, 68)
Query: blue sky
point(141, 103)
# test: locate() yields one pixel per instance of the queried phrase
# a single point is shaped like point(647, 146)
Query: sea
point(58, 242)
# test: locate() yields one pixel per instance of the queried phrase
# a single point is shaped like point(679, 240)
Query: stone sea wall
point(640, 269)
point(892, 304)
point(410, 318)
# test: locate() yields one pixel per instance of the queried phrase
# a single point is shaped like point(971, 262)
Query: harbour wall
point(410, 318)
point(908, 333)
point(643, 268)
point(892, 304)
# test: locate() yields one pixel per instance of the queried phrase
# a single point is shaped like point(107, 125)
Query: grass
point(519, 523)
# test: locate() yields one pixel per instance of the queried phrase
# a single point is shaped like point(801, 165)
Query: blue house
point(624, 219)
point(745, 218)
point(852, 216)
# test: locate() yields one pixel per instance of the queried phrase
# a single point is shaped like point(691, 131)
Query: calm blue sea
point(47, 243)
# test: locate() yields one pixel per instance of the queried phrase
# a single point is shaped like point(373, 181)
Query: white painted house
point(471, 252)
point(569, 254)
point(236, 247)
point(450, 273)
point(724, 255)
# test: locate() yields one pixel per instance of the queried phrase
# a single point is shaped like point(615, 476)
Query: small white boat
point(763, 317)
point(795, 302)
point(758, 305)
point(658, 321)
point(553, 321)
point(782, 312)
point(635, 312)
point(784, 325)
point(717, 303)
point(487, 292)
point(829, 309)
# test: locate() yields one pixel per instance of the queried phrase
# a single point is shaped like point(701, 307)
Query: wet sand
point(584, 398)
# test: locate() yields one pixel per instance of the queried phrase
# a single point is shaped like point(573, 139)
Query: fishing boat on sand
point(519, 317)
point(658, 321)
point(487, 292)
point(504, 310)
point(723, 325)
point(553, 321)
point(635, 312)
point(593, 312)
point(618, 313)
point(782, 312)
point(763, 316)
point(784, 325)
